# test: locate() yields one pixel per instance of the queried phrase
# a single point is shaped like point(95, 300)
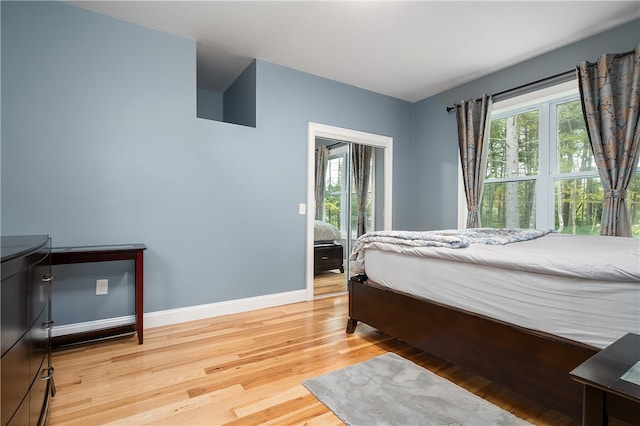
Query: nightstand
point(609, 395)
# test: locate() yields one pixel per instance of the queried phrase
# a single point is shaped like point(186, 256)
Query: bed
point(522, 313)
point(328, 253)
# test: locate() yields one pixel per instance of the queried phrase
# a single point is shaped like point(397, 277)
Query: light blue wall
point(209, 104)
point(435, 133)
point(289, 99)
point(240, 98)
point(74, 297)
point(101, 145)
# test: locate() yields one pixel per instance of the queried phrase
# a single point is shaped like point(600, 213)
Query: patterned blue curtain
point(610, 94)
point(473, 129)
point(321, 169)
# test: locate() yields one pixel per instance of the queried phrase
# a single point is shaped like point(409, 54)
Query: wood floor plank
point(280, 398)
point(187, 409)
point(241, 369)
point(329, 282)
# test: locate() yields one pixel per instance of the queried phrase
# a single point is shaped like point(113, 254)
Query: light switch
point(102, 287)
point(302, 208)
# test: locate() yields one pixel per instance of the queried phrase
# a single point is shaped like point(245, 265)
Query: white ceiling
point(408, 50)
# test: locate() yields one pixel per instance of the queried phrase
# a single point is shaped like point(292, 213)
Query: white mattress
point(567, 302)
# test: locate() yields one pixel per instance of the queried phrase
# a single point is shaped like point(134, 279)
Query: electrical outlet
point(102, 287)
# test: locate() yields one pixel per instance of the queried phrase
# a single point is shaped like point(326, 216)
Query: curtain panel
point(473, 118)
point(321, 171)
point(610, 95)
point(361, 160)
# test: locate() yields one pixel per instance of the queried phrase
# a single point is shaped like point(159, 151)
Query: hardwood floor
point(242, 369)
point(329, 282)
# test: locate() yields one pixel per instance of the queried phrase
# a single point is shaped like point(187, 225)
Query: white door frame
point(316, 130)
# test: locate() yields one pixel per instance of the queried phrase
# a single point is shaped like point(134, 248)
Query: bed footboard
point(531, 363)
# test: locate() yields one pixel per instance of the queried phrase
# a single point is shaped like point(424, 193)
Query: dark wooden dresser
point(25, 368)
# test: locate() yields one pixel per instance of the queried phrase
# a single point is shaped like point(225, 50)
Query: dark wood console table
point(85, 254)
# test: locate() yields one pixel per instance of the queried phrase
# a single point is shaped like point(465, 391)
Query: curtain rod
point(514, 89)
point(557, 76)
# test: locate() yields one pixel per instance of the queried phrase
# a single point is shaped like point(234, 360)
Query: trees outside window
point(512, 168)
point(334, 195)
point(540, 169)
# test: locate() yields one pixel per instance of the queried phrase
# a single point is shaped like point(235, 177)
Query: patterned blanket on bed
point(450, 238)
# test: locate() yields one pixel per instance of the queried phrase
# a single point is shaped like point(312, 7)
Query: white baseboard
point(191, 313)
point(82, 327)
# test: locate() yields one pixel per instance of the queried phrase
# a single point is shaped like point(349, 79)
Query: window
point(334, 193)
point(540, 168)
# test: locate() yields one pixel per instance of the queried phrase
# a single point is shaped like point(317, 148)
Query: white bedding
point(583, 288)
point(323, 231)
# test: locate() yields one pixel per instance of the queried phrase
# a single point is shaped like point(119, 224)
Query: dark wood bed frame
point(532, 363)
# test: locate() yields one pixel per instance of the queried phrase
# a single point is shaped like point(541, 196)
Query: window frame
point(337, 153)
point(545, 179)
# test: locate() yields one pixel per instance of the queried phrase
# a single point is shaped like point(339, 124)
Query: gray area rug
point(390, 390)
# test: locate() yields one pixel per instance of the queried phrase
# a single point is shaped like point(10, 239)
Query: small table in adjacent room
point(611, 380)
point(85, 254)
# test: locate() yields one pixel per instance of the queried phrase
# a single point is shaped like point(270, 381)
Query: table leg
point(139, 296)
point(593, 407)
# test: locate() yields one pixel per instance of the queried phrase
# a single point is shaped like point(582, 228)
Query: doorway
point(343, 212)
point(332, 219)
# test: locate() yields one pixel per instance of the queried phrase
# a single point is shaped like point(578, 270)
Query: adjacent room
point(303, 212)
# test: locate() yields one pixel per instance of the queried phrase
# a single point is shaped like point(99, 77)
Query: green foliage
point(574, 151)
point(333, 187)
point(513, 152)
point(334, 191)
point(525, 149)
point(332, 210)
point(494, 208)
